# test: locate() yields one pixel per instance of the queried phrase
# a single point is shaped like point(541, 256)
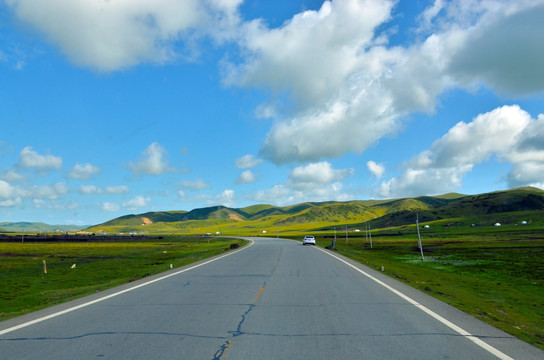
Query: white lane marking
point(32, 322)
point(448, 323)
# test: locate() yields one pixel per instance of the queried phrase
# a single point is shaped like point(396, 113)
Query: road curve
point(274, 299)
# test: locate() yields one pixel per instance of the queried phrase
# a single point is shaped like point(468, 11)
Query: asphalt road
point(275, 299)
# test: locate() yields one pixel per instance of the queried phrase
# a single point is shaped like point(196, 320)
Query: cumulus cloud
point(14, 195)
point(50, 192)
point(113, 35)
point(152, 161)
point(246, 177)
point(247, 162)
point(12, 176)
point(137, 202)
point(376, 169)
point(350, 88)
point(315, 175)
point(110, 207)
point(227, 198)
point(506, 132)
point(503, 50)
point(198, 184)
point(9, 195)
point(6, 190)
point(312, 182)
point(84, 171)
point(29, 158)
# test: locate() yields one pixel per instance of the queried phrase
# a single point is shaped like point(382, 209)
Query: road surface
point(274, 299)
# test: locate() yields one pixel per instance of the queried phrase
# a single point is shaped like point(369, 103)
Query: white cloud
point(29, 158)
point(246, 177)
point(84, 171)
point(312, 182)
point(137, 202)
point(52, 204)
point(278, 194)
point(195, 185)
point(506, 132)
point(92, 189)
point(350, 88)
point(10, 202)
point(227, 198)
point(266, 111)
point(121, 189)
point(247, 162)
point(13, 176)
point(376, 169)
point(431, 12)
point(50, 192)
point(112, 35)
point(315, 175)
point(503, 49)
point(13, 195)
point(151, 162)
point(526, 174)
point(110, 207)
point(8, 194)
point(311, 54)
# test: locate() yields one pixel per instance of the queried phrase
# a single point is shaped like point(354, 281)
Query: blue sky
point(117, 107)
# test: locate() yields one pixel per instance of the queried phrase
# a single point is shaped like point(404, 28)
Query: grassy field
point(494, 274)
point(24, 287)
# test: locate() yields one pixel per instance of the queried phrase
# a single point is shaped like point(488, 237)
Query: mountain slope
point(382, 213)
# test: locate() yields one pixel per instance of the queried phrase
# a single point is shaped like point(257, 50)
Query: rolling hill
point(321, 215)
point(21, 227)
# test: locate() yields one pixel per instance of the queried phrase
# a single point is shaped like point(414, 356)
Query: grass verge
point(78, 269)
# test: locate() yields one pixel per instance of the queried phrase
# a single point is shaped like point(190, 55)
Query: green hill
point(321, 215)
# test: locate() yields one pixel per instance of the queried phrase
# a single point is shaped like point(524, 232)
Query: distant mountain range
point(381, 213)
point(19, 227)
point(312, 215)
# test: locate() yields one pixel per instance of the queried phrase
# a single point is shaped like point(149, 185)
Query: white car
point(308, 240)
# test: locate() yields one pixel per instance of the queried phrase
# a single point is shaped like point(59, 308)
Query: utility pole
point(419, 238)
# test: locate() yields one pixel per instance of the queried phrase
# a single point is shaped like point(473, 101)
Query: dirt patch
point(146, 221)
point(235, 217)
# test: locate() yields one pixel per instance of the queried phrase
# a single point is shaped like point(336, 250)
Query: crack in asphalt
point(228, 343)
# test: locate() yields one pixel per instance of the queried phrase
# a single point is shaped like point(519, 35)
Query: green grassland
point(98, 266)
